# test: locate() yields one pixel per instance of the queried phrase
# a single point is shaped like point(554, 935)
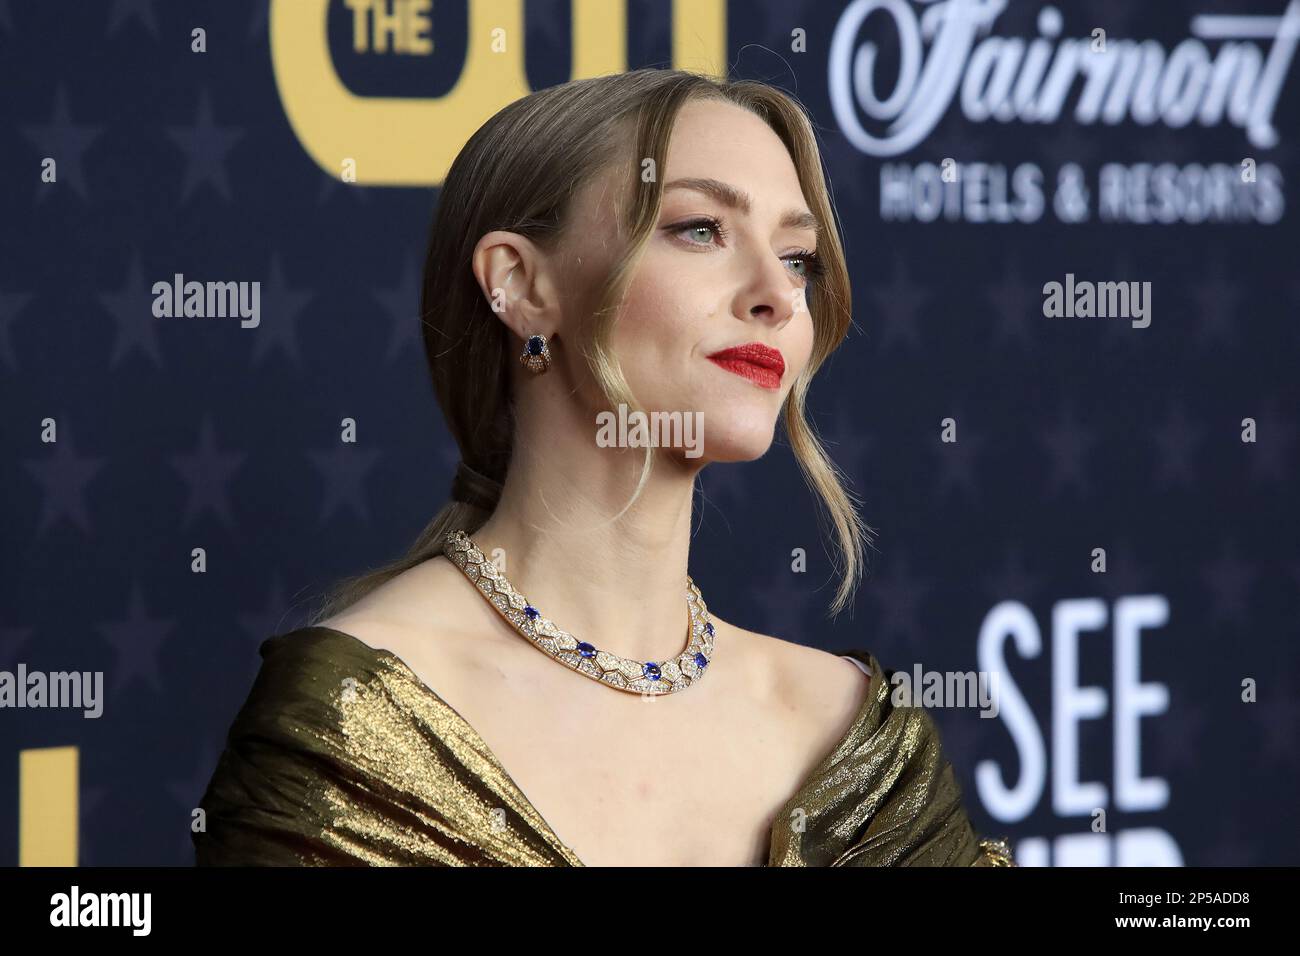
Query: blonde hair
point(517, 173)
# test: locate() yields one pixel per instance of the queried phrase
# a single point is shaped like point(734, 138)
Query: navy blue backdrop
point(1148, 710)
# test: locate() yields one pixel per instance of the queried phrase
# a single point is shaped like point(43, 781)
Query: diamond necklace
point(637, 677)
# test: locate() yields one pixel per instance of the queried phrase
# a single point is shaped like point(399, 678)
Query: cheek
point(661, 321)
point(801, 342)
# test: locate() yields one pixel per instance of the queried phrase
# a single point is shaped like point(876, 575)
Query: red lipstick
point(761, 364)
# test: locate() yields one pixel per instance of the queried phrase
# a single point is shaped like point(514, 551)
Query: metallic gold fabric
point(342, 756)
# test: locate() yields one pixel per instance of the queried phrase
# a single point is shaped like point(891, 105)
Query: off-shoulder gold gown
point(342, 756)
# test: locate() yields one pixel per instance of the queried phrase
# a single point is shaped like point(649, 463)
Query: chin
point(739, 444)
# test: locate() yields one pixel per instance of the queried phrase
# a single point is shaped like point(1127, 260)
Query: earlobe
point(536, 356)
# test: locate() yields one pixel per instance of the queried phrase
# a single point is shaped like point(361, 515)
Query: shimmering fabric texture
point(342, 756)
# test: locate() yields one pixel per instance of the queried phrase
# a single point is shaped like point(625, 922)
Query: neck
point(616, 582)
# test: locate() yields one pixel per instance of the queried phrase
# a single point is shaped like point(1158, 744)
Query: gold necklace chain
point(623, 673)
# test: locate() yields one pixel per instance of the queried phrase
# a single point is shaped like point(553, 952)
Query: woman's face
point(728, 267)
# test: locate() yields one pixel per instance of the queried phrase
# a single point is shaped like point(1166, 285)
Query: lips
point(761, 364)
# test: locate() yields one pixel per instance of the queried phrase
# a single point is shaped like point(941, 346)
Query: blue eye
point(812, 263)
point(703, 224)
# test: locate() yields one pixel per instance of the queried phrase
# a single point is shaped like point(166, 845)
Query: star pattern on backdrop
point(1125, 573)
point(956, 460)
point(343, 469)
point(281, 305)
point(12, 305)
point(137, 11)
point(1277, 721)
point(785, 599)
point(1183, 750)
point(1176, 441)
point(135, 326)
point(1016, 305)
point(1068, 442)
point(898, 593)
point(205, 145)
point(91, 801)
point(1118, 334)
point(849, 445)
point(898, 307)
point(332, 185)
point(277, 615)
point(402, 304)
point(1218, 307)
point(1270, 453)
point(12, 642)
point(1013, 580)
point(187, 793)
point(1228, 579)
point(63, 476)
point(207, 473)
point(66, 142)
point(137, 641)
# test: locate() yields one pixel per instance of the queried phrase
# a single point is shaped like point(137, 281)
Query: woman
point(647, 241)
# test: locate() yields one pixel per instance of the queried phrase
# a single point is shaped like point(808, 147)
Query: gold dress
point(341, 755)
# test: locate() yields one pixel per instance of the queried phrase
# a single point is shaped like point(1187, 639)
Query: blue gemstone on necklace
point(586, 650)
point(652, 671)
point(532, 612)
point(701, 660)
point(708, 628)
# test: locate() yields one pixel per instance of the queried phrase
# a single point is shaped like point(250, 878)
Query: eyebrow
point(735, 198)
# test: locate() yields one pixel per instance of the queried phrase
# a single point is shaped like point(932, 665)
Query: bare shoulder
point(426, 617)
point(821, 690)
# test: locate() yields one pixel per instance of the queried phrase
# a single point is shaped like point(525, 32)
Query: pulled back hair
point(517, 173)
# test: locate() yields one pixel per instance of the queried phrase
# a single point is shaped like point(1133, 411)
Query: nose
point(770, 296)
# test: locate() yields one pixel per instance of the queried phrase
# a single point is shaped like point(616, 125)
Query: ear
point(517, 278)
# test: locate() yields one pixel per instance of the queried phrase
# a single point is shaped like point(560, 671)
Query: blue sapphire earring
point(536, 356)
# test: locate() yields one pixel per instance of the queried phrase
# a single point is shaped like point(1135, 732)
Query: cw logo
point(399, 141)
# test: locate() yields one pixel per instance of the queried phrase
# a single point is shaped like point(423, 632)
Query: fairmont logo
point(1010, 78)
